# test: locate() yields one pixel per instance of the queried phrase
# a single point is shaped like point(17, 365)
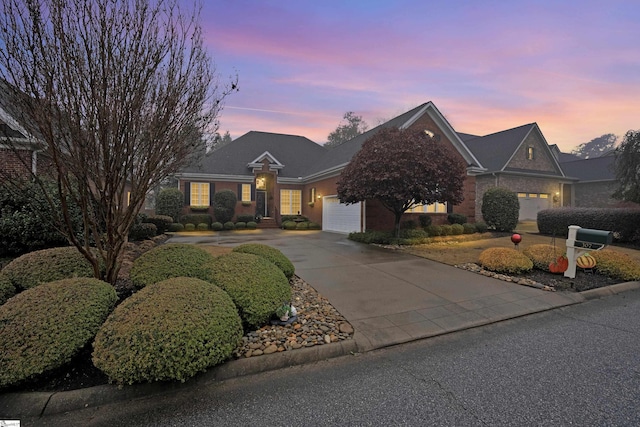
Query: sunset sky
point(571, 66)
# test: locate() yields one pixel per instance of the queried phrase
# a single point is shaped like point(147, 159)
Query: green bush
point(256, 286)
point(217, 226)
point(162, 222)
point(47, 265)
point(415, 233)
point(170, 202)
point(167, 261)
point(457, 229)
point(500, 209)
point(229, 225)
point(189, 227)
point(286, 218)
point(176, 227)
point(43, 328)
point(170, 330)
point(542, 255)
point(289, 225)
point(469, 228)
point(245, 218)
point(456, 218)
point(481, 227)
point(314, 226)
point(202, 226)
point(270, 254)
point(370, 236)
point(224, 205)
point(196, 219)
point(240, 225)
point(616, 265)
point(252, 225)
point(623, 222)
point(7, 289)
point(446, 230)
point(142, 231)
point(302, 226)
point(505, 260)
point(408, 225)
point(425, 220)
point(434, 230)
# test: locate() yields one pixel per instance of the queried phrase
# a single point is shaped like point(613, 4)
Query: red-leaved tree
point(402, 168)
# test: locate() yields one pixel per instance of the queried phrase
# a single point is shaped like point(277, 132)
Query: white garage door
point(339, 217)
point(531, 203)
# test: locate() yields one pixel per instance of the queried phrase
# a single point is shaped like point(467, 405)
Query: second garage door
point(339, 217)
point(531, 203)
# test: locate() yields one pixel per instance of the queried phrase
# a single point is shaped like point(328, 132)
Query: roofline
point(553, 157)
point(187, 176)
point(535, 175)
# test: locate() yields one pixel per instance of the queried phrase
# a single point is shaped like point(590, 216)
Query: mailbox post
point(582, 240)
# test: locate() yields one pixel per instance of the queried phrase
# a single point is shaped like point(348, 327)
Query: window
point(431, 208)
point(529, 153)
point(290, 202)
point(246, 193)
point(199, 194)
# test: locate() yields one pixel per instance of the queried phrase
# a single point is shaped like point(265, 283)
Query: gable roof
point(595, 169)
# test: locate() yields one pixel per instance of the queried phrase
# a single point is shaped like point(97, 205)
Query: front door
point(261, 203)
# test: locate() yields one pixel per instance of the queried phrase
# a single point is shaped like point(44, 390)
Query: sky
point(573, 67)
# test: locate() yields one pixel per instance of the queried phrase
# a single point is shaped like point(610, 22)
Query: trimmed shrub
point(217, 226)
point(469, 228)
point(7, 289)
point(45, 327)
point(434, 230)
point(189, 227)
point(170, 330)
point(202, 226)
point(457, 229)
point(224, 205)
point(167, 261)
point(286, 218)
point(270, 254)
point(169, 202)
point(142, 231)
point(256, 286)
point(245, 218)
point(252, 225)
point(240, 225)
point(416, 233)
point(314, 226)
point(229, 225)
point(196, 219)
point(623, 222)
point(456, 218)
point(500, 209)
point(542, 255)
point(616, 265)
point(481, 226)
point(505, 260)
point(47, 265)
point(425, 220)
point(162, 222)
point(446, 230)
point(176, 227)
point(289, 225)
point(370, 236)
point(302, 226)
point(408, 225)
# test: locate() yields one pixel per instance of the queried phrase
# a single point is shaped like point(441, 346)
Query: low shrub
point(505, 260)
point(469, 228)
point(541, 255)
point(286, 218)
point(217, 226)
point(43, 328)
point(162, 222)
point(189, 227)
point(244, 218)
point(143, 231)
point(196, 219)
point(416, 233)
point(289, 225)
point(170, 330)
point(270, 254)
point(457, 229)
point(252, 225)
point(314, 226)
point(47, 265)
point(446, 230)
point(167, 261)
point(456, 218)
point(425, 220)
point(256, 286)
point(434, 230)
point(202, 227)
point(408, 225)
point(7, 289)
point(370, 236)
point(176, 227)
point(481, 227)
point(302, 226)
point(241, 225)
point(616, 265)
point(228, 225)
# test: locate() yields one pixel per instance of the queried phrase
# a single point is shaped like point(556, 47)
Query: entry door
point(261, 202)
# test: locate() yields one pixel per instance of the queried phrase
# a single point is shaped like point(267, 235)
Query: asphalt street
point(576, 365)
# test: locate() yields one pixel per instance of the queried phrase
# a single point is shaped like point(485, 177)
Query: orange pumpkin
point(586, 261)
point(560, 265)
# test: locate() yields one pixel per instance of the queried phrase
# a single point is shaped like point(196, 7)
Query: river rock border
point(469, 266)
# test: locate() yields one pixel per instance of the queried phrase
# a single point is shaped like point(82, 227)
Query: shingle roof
point(296, 153)
point(494, 150)
point(596, 169)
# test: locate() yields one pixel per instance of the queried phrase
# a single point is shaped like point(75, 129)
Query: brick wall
point(11, 163)
point(542, 160)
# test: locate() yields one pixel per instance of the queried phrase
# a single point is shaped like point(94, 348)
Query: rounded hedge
point(176, 226)
point(189, 227)
point(256, 286)
point(314, 226)
point(203, 226)
point(270, 254)
point(457, 229)
point(217, 226)
point(616, 265)
point(7, 289)
point(500, 209)
point(289, 225)
point(505, 260)
point(542, 255)
point(229, 225)
point(170, 330)
point(143, 231)
point(446, 230)
point(252, 225)
point(481, 227)
point(302, 226)
point(45, 327)
point(47, 265)
point(167, 261)
point(240, 225)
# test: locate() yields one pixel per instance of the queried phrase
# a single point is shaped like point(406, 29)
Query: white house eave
point(190, 176)
point(327, 173)
point(530, 174)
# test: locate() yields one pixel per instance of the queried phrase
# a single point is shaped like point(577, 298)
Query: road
point(577, 365)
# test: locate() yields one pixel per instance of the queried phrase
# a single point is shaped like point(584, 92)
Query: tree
point(627, 167)
point(596, 147)
point(119, 92)
point(402, 168)
point(353, 127)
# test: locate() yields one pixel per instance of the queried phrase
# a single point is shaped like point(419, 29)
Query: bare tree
point(118, 92)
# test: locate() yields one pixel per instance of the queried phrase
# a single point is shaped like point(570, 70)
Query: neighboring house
point(275, 174)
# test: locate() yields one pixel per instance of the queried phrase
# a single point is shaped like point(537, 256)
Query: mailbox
point(581, 241)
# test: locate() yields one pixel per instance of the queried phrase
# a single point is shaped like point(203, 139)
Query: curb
point(610, 290)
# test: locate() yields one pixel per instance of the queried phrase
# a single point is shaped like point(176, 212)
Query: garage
point(338, 217)
point(531, 204)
